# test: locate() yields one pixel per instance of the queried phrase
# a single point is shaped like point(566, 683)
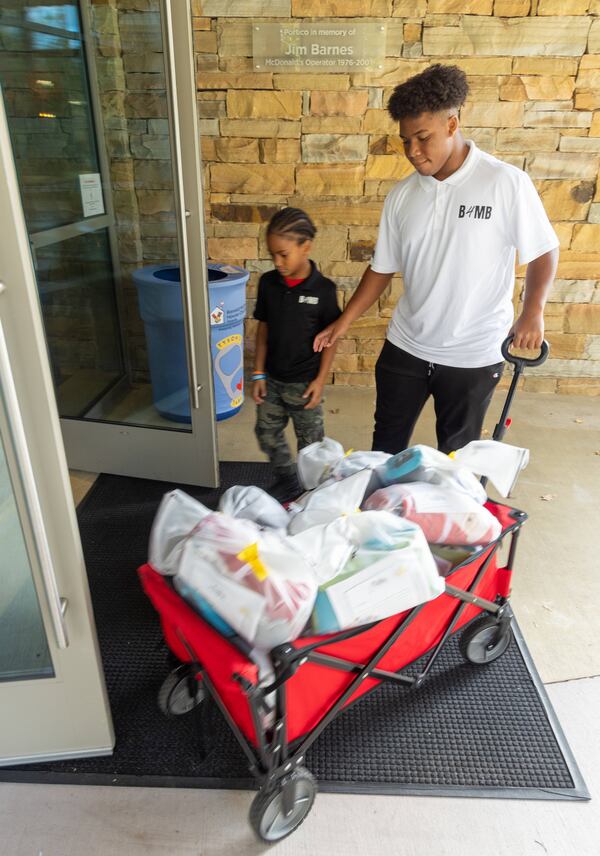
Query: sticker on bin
point(228, 366)
point(217, 316)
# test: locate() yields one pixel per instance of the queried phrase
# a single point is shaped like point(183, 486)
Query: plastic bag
point(253, 579)
point(500, 462)
point(446, 516)
point(177, 516)
point(314, 460)
point(326, 546)
point(424, 464)
point(353, 462)
point(328, 501)
point(390, 570)
point(252, 503)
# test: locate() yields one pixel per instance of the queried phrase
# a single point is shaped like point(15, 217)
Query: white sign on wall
point(92, 200)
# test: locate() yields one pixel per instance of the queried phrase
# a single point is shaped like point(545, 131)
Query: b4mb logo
point(477, 212)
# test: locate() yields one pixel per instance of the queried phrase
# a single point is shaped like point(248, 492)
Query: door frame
point(188, 455)
point(147, 452)
point(76, 715)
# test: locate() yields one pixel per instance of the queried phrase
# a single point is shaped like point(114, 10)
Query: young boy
point(452, 228)
point(294, 302)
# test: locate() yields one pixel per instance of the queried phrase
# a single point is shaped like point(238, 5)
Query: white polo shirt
point(455, 241)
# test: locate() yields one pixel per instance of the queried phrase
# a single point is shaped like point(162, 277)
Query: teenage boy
point(452, 229)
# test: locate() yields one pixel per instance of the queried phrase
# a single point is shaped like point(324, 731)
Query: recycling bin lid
point(172, 274)
point(218, 274)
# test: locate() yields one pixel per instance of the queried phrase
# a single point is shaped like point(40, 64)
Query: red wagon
point(317, 677)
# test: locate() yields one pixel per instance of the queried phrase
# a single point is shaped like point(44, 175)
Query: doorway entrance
point(102, 118)
point(52, 694)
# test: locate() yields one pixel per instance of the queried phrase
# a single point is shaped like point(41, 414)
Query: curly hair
point(292, 223)
point(440, 87)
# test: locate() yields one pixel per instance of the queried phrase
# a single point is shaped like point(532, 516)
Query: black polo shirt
point(294, 315)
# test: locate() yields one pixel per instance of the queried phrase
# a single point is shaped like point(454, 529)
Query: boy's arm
point(314, 390)
point(260, 351)
point(326, 361)
point(259, 387)
point(528, 329)
point(370, 288)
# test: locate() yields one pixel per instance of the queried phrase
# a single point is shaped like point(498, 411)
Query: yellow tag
point(250, 555)
point(451, 454)
point(349, 452)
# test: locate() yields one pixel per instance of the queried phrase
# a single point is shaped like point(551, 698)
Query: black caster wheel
point(270, 818)
point(485, 640)
point(180, 692)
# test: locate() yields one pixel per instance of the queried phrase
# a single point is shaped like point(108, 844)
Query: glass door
point(23, 656)
point(49, 657)
point(101, 111)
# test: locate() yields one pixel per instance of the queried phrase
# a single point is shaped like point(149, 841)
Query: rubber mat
point(477, 731)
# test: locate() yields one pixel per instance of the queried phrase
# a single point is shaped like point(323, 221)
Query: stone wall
point(324, 142)
point(46, 104)
point(130, 68)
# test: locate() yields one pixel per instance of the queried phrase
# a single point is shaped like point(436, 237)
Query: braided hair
point(292, 223)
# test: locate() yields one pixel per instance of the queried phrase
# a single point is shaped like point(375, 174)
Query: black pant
point(404, 383)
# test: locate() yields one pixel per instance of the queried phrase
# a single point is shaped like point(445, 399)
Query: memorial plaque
point(319, 46)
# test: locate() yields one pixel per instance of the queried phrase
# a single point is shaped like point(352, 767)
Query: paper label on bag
point(387, 587)
point(239, 606)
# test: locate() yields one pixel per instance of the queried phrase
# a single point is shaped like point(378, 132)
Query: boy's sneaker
point(285, 488)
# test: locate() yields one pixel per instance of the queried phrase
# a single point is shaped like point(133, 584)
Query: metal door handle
point(13, 412)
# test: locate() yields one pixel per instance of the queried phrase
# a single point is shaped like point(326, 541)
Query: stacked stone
point(324, 142)
point(131, 75)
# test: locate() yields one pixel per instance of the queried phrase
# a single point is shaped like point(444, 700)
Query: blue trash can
point(160, 301)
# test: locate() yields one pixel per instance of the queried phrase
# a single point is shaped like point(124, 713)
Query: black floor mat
point(487, 731)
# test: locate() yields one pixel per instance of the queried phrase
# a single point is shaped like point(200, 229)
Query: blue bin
point(160, 301)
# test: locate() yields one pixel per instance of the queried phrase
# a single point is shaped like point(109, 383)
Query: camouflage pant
point(284, 401)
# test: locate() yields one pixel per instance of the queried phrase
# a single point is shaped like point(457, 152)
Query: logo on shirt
point(304, 298)
point(476, 212)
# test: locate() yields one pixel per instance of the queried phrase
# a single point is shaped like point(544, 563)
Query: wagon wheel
point(485, 640)
point(180, 692)
point(270, 818)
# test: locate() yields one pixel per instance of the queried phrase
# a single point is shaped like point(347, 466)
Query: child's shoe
point(285, 488)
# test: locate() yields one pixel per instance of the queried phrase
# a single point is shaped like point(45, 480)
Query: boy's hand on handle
point(327, 337)
point(314, 393)
point(528, 332)
point(259, 391)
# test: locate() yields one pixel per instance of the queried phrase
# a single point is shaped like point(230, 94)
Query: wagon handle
point(519, 363)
